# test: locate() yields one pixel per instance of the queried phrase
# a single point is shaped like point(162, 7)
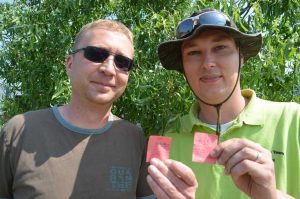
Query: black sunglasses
point(98, 55)
point(186, 27)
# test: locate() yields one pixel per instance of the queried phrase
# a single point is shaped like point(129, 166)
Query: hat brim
point(169, 52)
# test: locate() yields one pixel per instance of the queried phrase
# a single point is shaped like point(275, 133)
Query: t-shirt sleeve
point(143, 189)
point(5, 167)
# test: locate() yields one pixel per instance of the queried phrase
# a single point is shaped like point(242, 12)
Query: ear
point(69, 64)
point(242, 59)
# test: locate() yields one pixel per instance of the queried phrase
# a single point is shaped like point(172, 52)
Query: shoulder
point(125, 130)
point(14, 127)
point(18, 121)
point(125, 125)
point(38, 114)
point(284, 113)
point(268, 106)
point(280, 107)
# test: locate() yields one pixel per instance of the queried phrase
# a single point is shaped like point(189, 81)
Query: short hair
point(105, 24)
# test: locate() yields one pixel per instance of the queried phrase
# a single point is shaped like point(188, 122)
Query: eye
point(194, 52)
point(220, 47)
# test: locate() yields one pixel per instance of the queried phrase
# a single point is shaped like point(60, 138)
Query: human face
point(99, 83)
point(210, 63)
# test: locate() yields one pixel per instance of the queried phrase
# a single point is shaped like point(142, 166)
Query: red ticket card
point(158, 147)
point(203, 144)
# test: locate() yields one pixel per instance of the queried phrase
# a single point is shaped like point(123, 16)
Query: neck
point(229, 110)
point(89, 116)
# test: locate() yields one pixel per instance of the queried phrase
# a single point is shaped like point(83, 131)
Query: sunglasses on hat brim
point(99, 55)
point(187, 26)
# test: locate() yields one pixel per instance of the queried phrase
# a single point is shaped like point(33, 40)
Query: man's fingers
point(161, 179)
point(227, 149)
point(262, 174)
point(244, 154)
point(173, 178)
point(183, 172)
point(159, 193)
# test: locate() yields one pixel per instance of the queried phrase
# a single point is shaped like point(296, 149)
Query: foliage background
point(37, 35)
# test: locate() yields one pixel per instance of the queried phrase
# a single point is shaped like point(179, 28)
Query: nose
point(108, 66)
point(209, 60)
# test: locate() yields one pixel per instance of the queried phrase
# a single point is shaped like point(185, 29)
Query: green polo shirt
point(274, 125)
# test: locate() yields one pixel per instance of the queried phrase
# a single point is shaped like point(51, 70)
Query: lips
point(103, 85)
point(210, 78)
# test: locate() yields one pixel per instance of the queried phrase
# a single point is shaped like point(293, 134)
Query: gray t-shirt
point(44, 156)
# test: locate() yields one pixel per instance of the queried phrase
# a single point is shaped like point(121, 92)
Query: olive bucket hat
point(169, 52)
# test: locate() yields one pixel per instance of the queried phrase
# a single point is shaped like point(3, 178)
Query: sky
point(1, 81)
point(4, 1)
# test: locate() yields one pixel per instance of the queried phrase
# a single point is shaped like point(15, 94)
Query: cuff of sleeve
point(144, 197)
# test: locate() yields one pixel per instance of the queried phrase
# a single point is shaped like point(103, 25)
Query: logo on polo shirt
point(276, 153)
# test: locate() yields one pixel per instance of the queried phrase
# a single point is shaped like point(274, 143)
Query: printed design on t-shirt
point(121, 179)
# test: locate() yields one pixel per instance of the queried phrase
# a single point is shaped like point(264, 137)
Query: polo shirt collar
point(251, 115)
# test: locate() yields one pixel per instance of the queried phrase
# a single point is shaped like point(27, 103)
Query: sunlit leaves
point(37, 35)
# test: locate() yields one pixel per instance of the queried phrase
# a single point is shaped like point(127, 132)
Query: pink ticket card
point(204, 143)
point(158, 147)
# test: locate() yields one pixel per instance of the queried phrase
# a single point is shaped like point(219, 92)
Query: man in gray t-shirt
point(80, 150)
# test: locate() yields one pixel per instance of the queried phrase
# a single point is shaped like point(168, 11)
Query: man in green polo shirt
point(257, 141)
